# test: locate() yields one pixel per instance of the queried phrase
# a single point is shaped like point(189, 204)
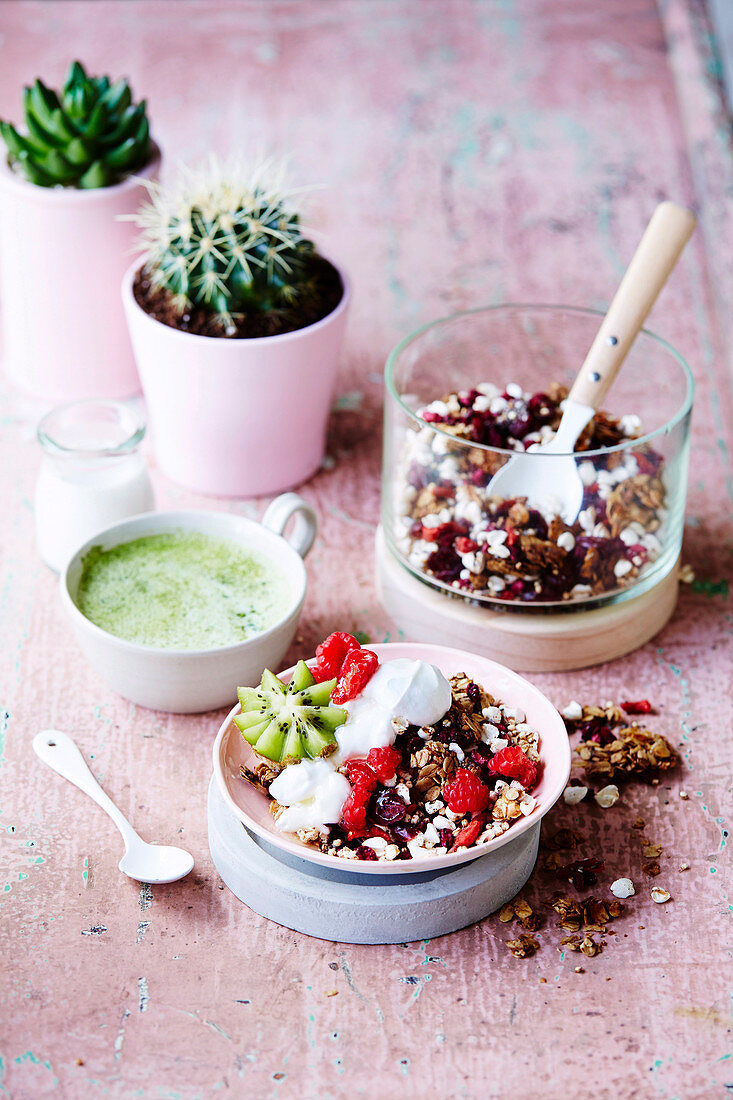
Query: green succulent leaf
point(95, 176)
point(91, 135)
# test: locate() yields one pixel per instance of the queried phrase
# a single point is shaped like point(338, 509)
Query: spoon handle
point(60, 752)
point(666, 235)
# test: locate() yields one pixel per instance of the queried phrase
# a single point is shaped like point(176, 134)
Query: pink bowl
point(252, 806)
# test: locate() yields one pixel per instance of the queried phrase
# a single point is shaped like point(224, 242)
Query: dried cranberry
point(538, 522)
point(387, 806)
point(446, 838)
point(480, 754)
point(404, 832)
point(466, 792)
point(364, 852)
point(641, 706)
point(356, 671)
point(445, 564)
point(648, 461)
point(597, 730)
point(473, 691)
point(581, 872)
point(541, 407)
point(480, 477)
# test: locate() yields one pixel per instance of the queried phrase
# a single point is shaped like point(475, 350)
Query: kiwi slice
point(292, 721)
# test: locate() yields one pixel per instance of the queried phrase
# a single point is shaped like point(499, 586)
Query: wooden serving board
point(523, 642)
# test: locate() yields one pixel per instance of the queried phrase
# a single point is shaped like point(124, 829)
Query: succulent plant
point(224, 238)
point(91, 134)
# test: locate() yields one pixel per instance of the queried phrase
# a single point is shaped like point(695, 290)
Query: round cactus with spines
point(225, 238)
point(89, 135)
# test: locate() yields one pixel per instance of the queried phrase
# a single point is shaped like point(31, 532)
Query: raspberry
point(384, 762)
point(466, 793)
point(356, 671)
point(331, 654)
point(642, 706)
point(513, 763)
point(468, 834)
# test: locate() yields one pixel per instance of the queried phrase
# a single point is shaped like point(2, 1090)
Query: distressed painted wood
point(474, 152)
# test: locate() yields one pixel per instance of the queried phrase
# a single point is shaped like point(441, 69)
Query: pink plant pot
point(237, 418)
point(63, 253)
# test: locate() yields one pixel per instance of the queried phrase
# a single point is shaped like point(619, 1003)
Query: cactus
point(90, 135)
point(224, 238)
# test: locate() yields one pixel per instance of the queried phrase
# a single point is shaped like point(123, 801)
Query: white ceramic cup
point(191, 681)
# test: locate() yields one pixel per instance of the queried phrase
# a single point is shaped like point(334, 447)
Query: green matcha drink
point(181, 590)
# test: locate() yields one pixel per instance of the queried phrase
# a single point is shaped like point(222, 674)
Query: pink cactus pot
point(237, 418)
point(63, 252)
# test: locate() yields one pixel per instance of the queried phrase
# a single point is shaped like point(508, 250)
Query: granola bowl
point(466, 393)
point(252, 806)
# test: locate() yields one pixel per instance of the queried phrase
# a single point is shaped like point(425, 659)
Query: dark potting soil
point(322, 292)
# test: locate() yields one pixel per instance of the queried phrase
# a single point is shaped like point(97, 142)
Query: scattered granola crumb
point(622, 888)
point(684, 796)
point(652, 868)
point(660, 895)
point(607, 796)
point(524, 947)
point(579, 970)
point(574, 795)
point(543, 981)
point(639, 823)
point(573, 711)
point(684, 867)
point(79, 1061)
point(686, 574)
point(651, 851)
point(331, 993)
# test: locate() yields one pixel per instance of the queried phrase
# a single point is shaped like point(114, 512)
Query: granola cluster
point(448, 527)
point(619, 747)
point(612, 747)
point(482, 757)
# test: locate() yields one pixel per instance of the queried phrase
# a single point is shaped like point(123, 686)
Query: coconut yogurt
point(400, 693)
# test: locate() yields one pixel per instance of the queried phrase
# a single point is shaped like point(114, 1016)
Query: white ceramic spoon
point(153, 863)
point(557, 481)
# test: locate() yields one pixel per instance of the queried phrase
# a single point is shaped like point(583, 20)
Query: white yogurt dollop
point(415, 692)
point(314, 793)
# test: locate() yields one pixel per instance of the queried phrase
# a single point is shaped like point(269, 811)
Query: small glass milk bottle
point(92, 475)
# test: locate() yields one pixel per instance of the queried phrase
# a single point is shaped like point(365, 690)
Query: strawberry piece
point(464, 545)
point(356, 671)
point(641, 706)
point(469, 834)
point(331, 653)
point(384, 762)
point(363, 781)
point(466, 793)
point(513, 763)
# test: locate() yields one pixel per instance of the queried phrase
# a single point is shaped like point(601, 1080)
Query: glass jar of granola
point(466, 393)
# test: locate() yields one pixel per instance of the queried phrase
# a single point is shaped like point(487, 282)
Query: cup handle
point(278, 513)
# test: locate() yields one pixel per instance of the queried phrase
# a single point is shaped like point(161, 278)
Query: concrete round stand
point(351, 908)
point(523, 642)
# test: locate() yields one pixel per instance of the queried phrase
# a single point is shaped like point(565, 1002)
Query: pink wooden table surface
point(473, 152)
